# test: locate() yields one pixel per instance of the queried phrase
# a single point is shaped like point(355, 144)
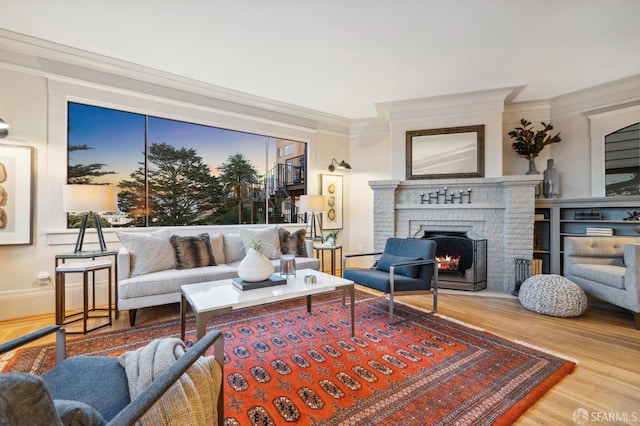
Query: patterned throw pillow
point(293, 243)
point(149, 251)
point(193, 252)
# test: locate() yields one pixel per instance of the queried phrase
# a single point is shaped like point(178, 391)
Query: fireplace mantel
point(500, 210)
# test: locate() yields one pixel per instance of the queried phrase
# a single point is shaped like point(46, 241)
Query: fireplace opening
point(462, 260)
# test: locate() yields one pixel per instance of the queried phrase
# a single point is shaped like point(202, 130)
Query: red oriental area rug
point(285, 365)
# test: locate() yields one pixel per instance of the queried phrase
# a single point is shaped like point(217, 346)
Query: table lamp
point(312, 205)
point(86, 199)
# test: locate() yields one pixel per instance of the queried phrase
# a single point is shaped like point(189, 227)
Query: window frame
point(61, 90)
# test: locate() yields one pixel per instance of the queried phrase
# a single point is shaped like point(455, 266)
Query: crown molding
point(456, 104)
point(46, 58)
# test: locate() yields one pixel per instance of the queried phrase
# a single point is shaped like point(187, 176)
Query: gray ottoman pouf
point(553, 295)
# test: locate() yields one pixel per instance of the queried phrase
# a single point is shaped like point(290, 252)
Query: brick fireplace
point(500, 210)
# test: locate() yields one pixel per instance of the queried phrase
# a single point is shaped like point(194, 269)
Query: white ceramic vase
point(255, 267)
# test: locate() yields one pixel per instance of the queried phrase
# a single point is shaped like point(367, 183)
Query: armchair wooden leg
point(132, 316)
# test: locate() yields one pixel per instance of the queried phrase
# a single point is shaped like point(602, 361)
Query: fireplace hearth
point(462, 260)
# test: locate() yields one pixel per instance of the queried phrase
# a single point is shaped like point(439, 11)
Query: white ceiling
point(344, 56)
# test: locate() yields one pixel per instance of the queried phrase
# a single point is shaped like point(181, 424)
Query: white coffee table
point(216, 297)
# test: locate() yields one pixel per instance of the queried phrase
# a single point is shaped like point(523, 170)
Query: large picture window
point(172, 173)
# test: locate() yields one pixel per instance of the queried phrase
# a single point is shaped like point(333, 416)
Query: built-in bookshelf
point(559, 218)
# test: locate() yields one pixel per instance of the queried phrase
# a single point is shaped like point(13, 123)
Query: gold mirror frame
point(458, 149)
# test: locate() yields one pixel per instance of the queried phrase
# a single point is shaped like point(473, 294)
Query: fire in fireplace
point(448, 263)
point(462, 260)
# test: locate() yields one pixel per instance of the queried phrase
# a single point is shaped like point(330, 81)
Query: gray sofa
point(150, 271)
point(607, 268)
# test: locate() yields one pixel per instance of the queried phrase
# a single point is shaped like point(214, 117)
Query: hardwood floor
point(604, 342)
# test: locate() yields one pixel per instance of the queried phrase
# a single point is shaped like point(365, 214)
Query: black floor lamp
point(88, 199)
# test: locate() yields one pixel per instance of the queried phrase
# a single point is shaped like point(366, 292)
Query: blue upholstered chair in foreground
point(406, 265)
point(94, 389)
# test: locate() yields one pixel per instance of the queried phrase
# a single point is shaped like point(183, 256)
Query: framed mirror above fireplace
point(450, 152)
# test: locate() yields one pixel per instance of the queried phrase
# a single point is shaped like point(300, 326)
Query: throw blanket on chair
point(192, 400)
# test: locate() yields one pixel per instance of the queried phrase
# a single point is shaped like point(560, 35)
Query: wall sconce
point(89, 198)
point(341, 165)
point(4, 129)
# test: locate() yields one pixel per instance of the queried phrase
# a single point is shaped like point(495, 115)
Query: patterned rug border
point(477, 328)
point(511, 414)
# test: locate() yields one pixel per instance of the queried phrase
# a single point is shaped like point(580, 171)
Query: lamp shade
point(89, 198)
point(312, 203)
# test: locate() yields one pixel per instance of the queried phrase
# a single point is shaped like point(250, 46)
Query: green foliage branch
point(331, 234)
point(528, 142)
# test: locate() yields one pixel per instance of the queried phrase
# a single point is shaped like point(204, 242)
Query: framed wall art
point(452, 152)
point(332, 190)
point(16, 194)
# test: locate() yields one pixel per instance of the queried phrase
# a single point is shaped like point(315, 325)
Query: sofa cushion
point(293, 243)
point(233, 247)
point(169, 281)
point(217, 244)
point(610, 275)
point(193, 252)
point(268, 235)
point(150, 251)
point(387, 260)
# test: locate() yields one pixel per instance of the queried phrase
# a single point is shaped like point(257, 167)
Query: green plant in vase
point(528, 142)
point(255, 266)
point(330, 237)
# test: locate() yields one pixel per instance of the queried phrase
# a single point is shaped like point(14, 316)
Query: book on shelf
point(536, 266)
point(587, 215)
point(599, 231)
point(274, 279)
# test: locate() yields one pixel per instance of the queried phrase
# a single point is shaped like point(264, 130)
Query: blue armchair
point(90, 389)
point(406, 265)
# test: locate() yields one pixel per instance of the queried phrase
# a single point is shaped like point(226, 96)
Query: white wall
point(34, 103)
point(578, 158)
point(378, 145)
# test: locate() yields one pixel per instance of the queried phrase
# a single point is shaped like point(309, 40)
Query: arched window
point(622, 161)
